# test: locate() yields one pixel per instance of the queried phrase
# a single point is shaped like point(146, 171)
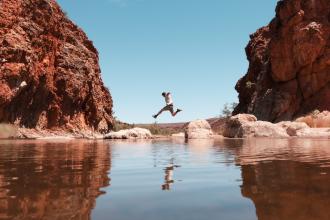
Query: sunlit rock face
point(49, 71)
point(39, 180)
point(289, 71)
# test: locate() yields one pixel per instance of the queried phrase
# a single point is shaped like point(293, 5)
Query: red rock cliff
point(289, 72)
point(49, 72)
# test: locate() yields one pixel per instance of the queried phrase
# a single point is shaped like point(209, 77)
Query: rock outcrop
point(246, 126)
point(49, 71)
point(134, 133)
point(199, 129)
point(289, 72)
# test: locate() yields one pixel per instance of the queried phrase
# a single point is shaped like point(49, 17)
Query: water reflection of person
point(169, 177)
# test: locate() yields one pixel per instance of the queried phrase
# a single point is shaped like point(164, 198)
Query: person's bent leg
point(172, 112)
point(177, 111)
point(171, 109)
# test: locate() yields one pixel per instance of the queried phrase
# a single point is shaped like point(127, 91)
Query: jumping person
point(169, 105)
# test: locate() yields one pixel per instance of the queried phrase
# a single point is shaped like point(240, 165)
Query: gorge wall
point(49, 71)
point(289, 71)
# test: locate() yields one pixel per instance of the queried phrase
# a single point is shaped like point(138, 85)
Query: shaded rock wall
point(289, 72)
point(49, 71)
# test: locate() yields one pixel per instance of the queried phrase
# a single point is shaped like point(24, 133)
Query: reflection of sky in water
point(200, 189)
point(200, 179)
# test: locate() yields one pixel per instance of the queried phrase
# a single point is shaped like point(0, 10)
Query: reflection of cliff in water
point(52, 181)
point(286, 181)
point(288, 190)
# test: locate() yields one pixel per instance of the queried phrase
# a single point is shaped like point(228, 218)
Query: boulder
point(242, 118)
point(316, 119)
point(257, 129)
point(218, 124)
point(234, 125)
point(199, 129)
point(314, 133)
point(134, 133)
point(292, 128)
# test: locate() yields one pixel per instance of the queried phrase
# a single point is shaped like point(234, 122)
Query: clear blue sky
point(193, 48)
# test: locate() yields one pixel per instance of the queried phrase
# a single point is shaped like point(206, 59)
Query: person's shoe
point(154, 116)
point(178, 110)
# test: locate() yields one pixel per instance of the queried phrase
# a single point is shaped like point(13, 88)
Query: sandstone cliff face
point(289, 72)
point(49, 72)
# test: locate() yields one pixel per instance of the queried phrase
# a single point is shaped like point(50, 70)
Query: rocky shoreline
point(238, 126)
point(247, 126)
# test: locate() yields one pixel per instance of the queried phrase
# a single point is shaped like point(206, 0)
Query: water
point(227, 179)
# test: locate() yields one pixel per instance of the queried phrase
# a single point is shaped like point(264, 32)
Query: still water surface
point(227, 179)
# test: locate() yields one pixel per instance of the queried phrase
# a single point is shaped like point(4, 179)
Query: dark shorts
point(169, 108)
